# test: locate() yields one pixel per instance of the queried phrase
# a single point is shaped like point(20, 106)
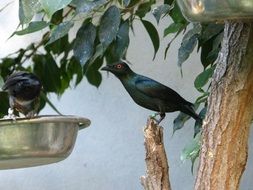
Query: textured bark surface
point(157, 174)
point(226, 127)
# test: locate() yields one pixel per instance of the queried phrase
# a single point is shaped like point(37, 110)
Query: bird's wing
point(157, 90)
point(14, 79)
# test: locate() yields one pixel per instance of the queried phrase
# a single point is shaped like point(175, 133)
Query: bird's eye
point(119, 66)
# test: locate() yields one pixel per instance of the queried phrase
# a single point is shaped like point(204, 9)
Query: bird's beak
point(106, 68)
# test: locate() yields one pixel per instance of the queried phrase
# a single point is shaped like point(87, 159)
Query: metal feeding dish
point(38, 141)
point(213, 10)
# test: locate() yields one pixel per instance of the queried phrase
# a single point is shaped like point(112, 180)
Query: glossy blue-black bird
point(24, 91)
point(149, 93)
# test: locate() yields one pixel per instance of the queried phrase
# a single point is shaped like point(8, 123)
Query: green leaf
point(169, 2)
point(179, 122)
point(191, 150)
point(188, 44)
point(57, 17)
point(202, 98)
point(170, 42)
point(84, 42)
point(153, 34)
point(92, 74)
point(198, 125)
point(122, 41)
point(98, 53)
point(1, 82)
point(59, 31)
point(27, 9)
point(177, 16)
point(160, 10)
point(47, 70)
point(210, 50)
point(206, 48)
point(217, 41)
point(143, 9)
point(126, 2)
point(4, 104)
point(59, 46)
point(6, 65)
point(32, 27)
point(133, 3)
point(186, 48)
point(173, 28)
point(86, 6)
point(109, 26)
point(210, 31)
point(74, 67)
point(203, 77)
point(196, 30)
point(51, 6)
point(45, 98)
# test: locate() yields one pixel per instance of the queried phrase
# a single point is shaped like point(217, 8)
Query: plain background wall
point(109, 155)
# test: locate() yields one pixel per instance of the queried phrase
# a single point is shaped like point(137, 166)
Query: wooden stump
point(157, 173)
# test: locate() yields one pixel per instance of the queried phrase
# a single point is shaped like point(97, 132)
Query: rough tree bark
point(157, 174)
point(226, 127)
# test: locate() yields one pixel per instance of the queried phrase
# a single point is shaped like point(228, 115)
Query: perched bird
point(24, 90)
point(149, 93)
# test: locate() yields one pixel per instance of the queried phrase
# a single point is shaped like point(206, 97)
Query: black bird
point(24, 91)
point(149, 93)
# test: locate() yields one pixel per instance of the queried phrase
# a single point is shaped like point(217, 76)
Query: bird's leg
point(162, 116)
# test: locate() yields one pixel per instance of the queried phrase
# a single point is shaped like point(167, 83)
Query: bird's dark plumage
point(24, 90)
point(149, 93)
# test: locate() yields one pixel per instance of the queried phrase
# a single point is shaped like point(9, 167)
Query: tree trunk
point(224, 148)
point(157, 175)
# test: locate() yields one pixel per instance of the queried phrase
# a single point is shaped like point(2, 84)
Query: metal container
point(216, 10)
point(38, 141)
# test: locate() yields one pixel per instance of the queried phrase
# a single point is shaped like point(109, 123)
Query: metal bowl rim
point(48, 119)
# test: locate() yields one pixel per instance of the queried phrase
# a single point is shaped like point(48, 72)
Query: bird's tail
point(189, 110)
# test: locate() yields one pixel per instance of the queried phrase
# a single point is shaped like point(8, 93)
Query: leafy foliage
point(32, 27)
point(84, 42)
point(154, 36)
point(191, 151)
point(161, 10)
point(103, 37)
point(109, 26)
point(59, 31)
point(50, 7)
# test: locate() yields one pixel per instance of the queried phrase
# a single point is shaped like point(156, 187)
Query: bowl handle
point(83, 123)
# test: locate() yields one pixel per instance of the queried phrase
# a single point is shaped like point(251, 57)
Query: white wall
point(109, 155)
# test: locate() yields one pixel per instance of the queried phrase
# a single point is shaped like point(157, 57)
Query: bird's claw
point(153, 116)
point(10, 115)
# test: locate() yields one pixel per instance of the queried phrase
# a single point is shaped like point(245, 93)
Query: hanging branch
point(157, 174)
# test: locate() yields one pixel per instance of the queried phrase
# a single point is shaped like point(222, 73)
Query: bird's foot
point(30, 114)
point(10, 115)
point(153, 116)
